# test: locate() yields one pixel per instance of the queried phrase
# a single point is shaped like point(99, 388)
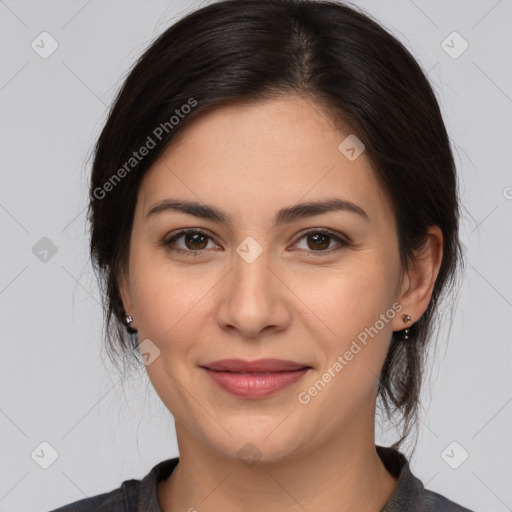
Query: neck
point(345, 474)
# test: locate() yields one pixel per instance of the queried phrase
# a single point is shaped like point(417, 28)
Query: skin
point(293, 302)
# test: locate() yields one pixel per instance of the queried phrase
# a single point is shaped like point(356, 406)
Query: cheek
point(169, 304)
point(349, 298)
point(165, 307)
point(349, 302)
point(169, 300)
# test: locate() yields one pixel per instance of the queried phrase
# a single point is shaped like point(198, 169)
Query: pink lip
point(255, 379)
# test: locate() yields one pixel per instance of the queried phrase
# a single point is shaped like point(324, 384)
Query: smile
point(256, 379)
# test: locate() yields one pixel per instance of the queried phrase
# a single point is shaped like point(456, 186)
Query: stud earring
point(127, 321)
point(404, 334)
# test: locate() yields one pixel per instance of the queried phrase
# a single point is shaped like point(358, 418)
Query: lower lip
point(255, 386)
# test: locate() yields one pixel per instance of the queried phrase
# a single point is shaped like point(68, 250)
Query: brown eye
point(195, 241)
point(319, 241)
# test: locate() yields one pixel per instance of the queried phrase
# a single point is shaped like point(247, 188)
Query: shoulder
point(409, 493)
point(434, 502)
point(117, 500)
point(132, 496)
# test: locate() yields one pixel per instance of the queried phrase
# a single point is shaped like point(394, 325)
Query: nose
point(253, 299)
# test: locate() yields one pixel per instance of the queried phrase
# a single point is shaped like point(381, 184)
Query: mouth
point(255, 379)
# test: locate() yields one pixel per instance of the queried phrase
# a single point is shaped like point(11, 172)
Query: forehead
point(252, 157)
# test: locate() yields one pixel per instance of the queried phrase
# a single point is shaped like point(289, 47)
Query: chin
point(257, 441)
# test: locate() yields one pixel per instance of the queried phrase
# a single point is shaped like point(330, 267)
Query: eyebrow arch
point(283, 216)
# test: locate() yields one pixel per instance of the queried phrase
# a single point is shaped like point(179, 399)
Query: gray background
point(56, 383)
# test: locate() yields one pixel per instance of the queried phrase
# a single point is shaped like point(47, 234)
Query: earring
point(405, 332)
point(128, 320)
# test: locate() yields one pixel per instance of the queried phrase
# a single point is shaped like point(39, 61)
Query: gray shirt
point(141, 495)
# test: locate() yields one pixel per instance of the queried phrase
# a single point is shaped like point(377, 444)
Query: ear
point(419, 279)
point(125, 292)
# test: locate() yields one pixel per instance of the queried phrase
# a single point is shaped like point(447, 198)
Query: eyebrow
point(283, 216)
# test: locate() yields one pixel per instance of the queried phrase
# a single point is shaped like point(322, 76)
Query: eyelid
point(343, 241)
point(334, 234)
point(171, 238)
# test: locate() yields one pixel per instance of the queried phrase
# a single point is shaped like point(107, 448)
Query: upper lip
point(260, 365)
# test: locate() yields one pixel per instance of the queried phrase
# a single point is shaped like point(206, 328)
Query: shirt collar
point(408, 491)
point(405, 496)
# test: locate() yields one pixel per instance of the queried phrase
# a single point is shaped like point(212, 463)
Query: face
point(318, 289)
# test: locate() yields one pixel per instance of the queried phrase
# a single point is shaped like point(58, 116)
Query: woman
point(274, 219)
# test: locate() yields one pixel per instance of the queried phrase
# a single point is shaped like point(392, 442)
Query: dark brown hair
point(331, 53)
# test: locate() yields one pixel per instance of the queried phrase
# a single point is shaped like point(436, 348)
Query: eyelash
point(188, 252)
